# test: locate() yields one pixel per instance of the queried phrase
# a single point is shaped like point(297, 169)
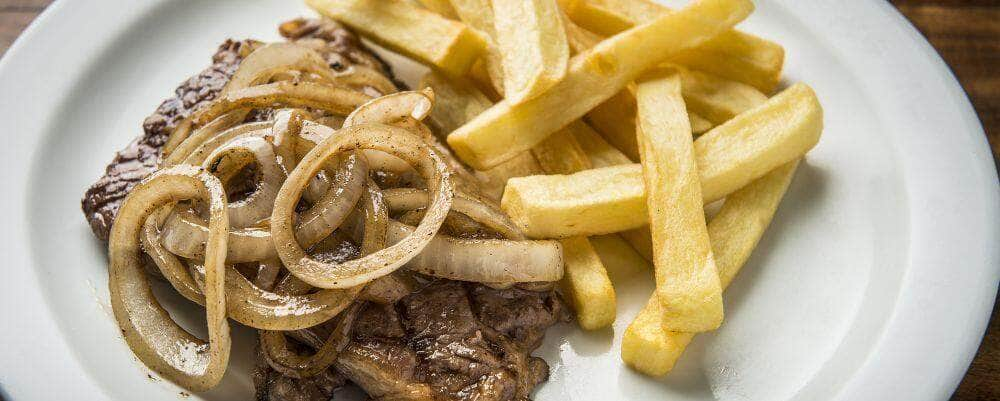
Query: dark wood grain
point(965, 32)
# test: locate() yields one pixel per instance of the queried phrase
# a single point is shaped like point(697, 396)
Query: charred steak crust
point(140, 158)
point(340, 47)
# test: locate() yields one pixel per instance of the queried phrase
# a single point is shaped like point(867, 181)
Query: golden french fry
point(599, 151)
point(494, 181)
point(615, 120)
point(686, 280)
point(458, 101)
point(442, 7)
point(717, 99)
point(778, 131)
point(612, 199)
point(620, 260)
point(734, 233)
point(532, 44)
point(591, 202)
point(409, 30)
point(586, 285)
point(478, 14)
point(560, 153)
point(641, 240)
point(512, 127)
point(732, 54)
point(699, 125)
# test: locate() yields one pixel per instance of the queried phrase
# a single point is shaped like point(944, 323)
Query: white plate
point(874, 282)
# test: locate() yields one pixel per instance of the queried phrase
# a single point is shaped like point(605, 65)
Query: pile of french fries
point(590, 118)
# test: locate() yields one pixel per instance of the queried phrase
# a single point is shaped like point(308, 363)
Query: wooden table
point(965, 32)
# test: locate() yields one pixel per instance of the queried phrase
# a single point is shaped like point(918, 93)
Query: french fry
point(733, 54)
point(455, 101)
point(599, 151)
point(586, 285)
point(512, 127)
point(687, 282)
point(615, 120)
point(612, 199)
point(717, 99)
point(591, 202)
point(699, 125)
point(478, 14)
point(778, 131)
point(532, 44)
point(641, 240)
point(620, 260)
point(442, 7)
point(561, 153)
point(458, 101)
point(409, 30)
point(734, 233)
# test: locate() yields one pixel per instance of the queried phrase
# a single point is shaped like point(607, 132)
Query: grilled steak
point(449, 341)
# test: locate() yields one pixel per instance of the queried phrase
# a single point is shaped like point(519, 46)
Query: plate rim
point(19, 63)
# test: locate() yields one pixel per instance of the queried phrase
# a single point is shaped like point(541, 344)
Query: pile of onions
point(335, 167)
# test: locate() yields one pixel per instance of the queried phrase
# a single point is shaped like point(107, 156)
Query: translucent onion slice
point(329, 212)
point(236, 155)
point(148, 329)
point(332, 99)
point(249, 303)
point(184, 234)
point(484, 260)
point(396, 141)
point(275, 345)
point(407, 199)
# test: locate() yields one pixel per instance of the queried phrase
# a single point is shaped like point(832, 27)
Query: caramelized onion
point(148, 328)
point(394, 140)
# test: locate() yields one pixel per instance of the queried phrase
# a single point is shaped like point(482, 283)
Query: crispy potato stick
point(699, 125)
point(512, 127)
point(495, 179)
point(686, 280)
point(717, 99)
point(409, 30)
point(478, 14)
point(586, 285)
point(442, 7)
point(532, 44)
point(458, 101)
point(560, 153)
point(778, 131)
point(710, 100)
point(620, 260)
point(598, 150)
point(734, 233)
point(591, 202)
point(641, 240)
point(612, 199)
point(732, 54)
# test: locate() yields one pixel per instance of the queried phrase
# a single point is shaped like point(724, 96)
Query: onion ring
point(394, 140)
point(148, 329)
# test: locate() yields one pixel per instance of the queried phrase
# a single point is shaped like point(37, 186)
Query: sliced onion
point(289, 94)
point(184, 234)
point(183, 141)
point(332, 208)
point(287, 362)
point(406, 199)
point(237, 154)
point(148, 328)
point(391, 108)
point(385, 138)
point(484, 260)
